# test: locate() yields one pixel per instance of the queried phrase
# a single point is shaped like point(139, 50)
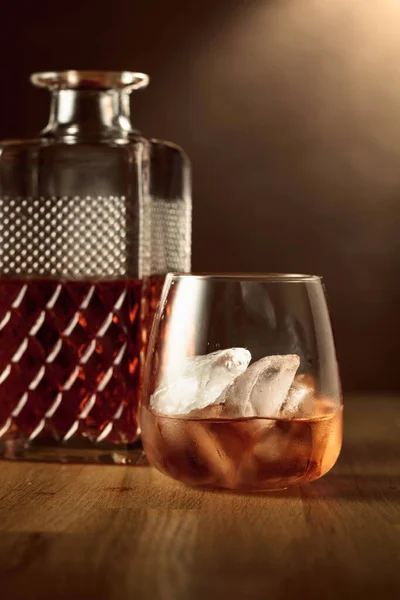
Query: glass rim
point(260, 277)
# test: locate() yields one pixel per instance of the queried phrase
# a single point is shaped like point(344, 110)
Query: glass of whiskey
point(241, 387)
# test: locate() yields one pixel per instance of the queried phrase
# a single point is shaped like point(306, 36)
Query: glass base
point(49, 451)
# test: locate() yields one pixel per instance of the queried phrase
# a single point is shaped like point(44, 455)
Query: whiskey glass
point(241, 386)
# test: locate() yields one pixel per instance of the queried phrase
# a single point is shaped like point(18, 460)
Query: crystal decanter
point(92, 215)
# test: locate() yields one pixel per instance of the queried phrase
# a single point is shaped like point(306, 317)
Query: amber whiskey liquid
point(71, 355)
point(244, 453)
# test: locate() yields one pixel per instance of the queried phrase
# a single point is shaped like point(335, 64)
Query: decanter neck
point(89, 105)
point(90, 114)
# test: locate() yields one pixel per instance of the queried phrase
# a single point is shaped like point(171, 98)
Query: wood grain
point(72, 531)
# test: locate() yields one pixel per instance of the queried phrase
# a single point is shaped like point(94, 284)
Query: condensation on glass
point(92, 215)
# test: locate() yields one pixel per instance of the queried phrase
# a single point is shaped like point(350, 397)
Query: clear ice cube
point(262, 389)
point(190, 451)
point(300, 398)
point(199, 381)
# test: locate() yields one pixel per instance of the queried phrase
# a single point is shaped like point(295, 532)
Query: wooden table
point(70, 532)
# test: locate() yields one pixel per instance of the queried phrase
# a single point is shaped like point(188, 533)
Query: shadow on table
point(376, 487)
point(370, 472)
point(364, 471)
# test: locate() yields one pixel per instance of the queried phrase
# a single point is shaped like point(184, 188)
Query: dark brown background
point(290, 111)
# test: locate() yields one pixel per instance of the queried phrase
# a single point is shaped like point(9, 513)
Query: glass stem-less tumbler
point(92, 215)
point(241, 388)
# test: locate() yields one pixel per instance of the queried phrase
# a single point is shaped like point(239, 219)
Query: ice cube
point(262, 389)
point(281, 452)
point(300, 398)
point(199, 381)
point(216, 411)
point(188, 450)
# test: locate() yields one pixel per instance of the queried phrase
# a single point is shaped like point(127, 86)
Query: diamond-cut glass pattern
point(165, 236)
point(71, 236)
point(69, 360)
point(82, 237)
point(73, 317)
